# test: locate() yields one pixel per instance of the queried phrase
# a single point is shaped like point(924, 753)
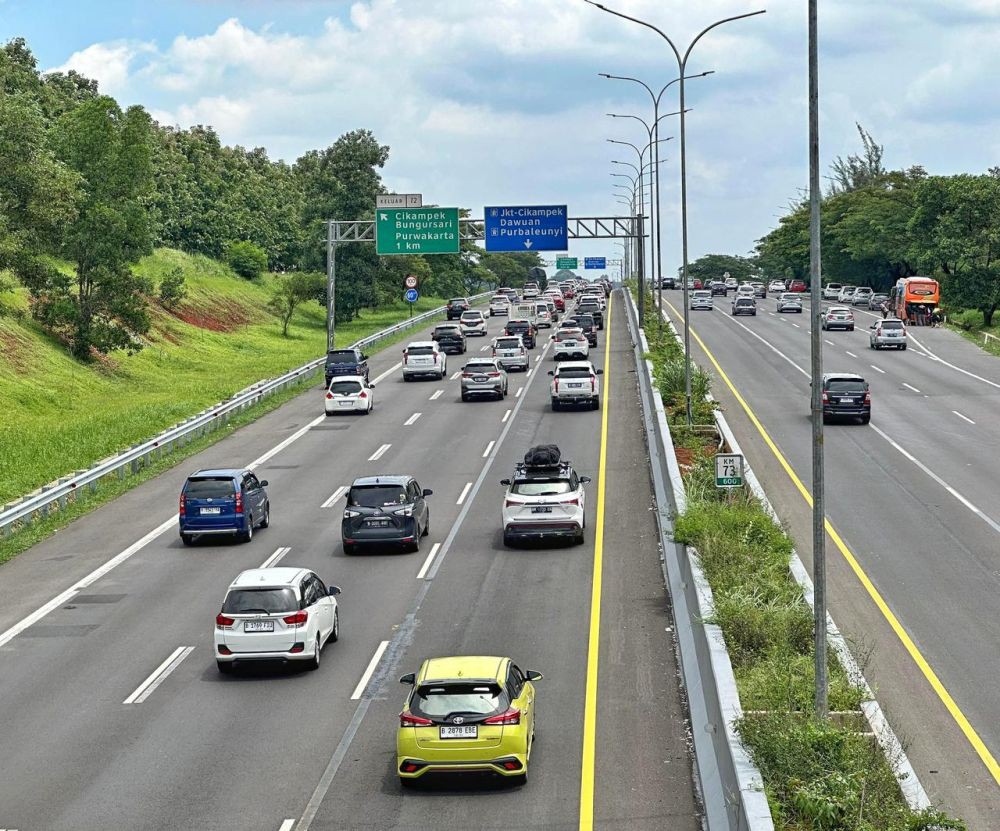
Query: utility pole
point(331, 284)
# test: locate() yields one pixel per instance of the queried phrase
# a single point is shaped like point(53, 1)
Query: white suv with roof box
point(276, 614)
point(423, 358)
point(544, 503)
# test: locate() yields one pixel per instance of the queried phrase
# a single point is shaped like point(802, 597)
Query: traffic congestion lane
point(148, 623)
point(922, 552)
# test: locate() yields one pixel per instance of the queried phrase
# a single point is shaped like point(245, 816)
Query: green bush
point(246, 259)
point(967, 319)
point(172, 288)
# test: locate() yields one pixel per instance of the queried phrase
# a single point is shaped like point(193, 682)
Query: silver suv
point(888, 332)
point(484, 376)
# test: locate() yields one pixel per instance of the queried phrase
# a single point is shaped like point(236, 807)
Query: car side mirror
point(599, 371)
point(586, 480)
point(505, 482)
point(333, 591)
point(371, 386)
point(531, 675)
point(552, 372)
point(873, 326)
point(428, 491)
point(364, 357)
point(410, 678)
point(263, 483)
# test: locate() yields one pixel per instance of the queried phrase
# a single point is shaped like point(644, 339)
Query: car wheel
point(225, 667)
point(409, 784)
point(903, 347)
point(266, 521)
point(187, 539)
point(407, 377)
point(335, 632)
point(518, 781)
point(595, 402)
point(826, 418)
point(415, 545)
point(427, 524)
point(350, 549)
point(508, 540)
point(866, 418)
point(247, 535)
point(555, 404)
point(313, 662)
point(465, 397)
point(850, 328)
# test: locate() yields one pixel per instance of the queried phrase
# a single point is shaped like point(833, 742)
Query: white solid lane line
point(464, 493)
point(934, 357)
point(378, 454)
point(506, 415)
point(428, 561)
point(965, 418)
point(910, 387)
point(851, 354)
point(334, 497)
point(372, 664)
point(455, 375)
point(518, 393)
point(829, 342)
point(146, 688)
point(877, 369)
point(436, 396)
point(282, 445)
point(287, 825)
point(411, 419)
point(537, 358)
point(275, 557)
point(796, 325)
point(489, 447)
point(387, 373)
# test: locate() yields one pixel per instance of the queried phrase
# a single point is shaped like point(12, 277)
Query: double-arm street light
point(682, 60)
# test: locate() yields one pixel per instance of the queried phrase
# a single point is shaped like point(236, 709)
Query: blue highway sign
point(411, 295)
point(595, 262)
point(526, 228)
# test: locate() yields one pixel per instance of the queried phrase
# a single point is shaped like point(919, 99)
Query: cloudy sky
point(493, 102)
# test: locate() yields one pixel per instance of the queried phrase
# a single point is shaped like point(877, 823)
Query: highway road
point(914, 500)
point(94, 737)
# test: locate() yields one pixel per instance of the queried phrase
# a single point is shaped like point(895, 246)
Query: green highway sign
point(417, 231)
point(566, 263)
point(728, 470)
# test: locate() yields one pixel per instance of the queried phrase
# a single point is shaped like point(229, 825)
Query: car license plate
point(574, 386)
point(846, 400)
point(458, 731)
point(346, 403)
point(258, 626)
point(541, 509)
point(377, 523)
point(569, 343)
point(479, 379)
point(211, 510)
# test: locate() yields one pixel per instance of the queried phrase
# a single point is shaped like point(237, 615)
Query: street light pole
point(682, 66)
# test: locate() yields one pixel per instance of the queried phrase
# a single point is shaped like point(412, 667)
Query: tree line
point(879, 225)
point(86, 182)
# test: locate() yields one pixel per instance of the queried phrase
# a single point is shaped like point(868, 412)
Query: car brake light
point(868, 397)
point(493, 374)
point(183, 500)
point(556, 381)
point(593, 383)
point(436, 356)
point(573, 501)
point(512, 716)
point(298, 619)
point(410, 720)
point(222, 621)
point(510, 503)
point(406, 356)
point(362, 394)
point(239, 502)
point(329, 396)
point(826, 397)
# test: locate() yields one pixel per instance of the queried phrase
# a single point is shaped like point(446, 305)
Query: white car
point(789, 302)
point(846, 294)
point(575, 382)
point(543, 316)
point(837, 317)
point(423, 358)
point(510, 352)
point(473, 323)
point(349, 394)
point(276, 614)
point(776, 285)
point(499, 305)
point(702, 299)
point(570, 342)
point(544, 503)
point(831, 291)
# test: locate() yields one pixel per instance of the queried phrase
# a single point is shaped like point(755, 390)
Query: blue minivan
point(225, 501)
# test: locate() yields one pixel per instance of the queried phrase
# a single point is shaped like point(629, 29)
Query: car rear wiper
point(249, 611)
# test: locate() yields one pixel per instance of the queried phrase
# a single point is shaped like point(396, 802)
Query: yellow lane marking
point(932, 678)
point(594, 637)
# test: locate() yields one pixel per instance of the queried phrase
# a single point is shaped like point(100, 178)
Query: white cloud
point(108, 63)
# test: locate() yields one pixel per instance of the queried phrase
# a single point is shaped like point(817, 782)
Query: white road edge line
point(966, 418)
point(829, 342)
point(378, 454)
point(387, 373)
point(287, 825)
point(276, 556)
point(428, 561)
point(877, 369)
point(274, 451)
point(851, 354)
point(334, 497)
point(489, 447)
point(796, 325)
point(506, 415)
point(412, 419)
point(910, 387)
point(372, 664)
point(436, 396)
point(519, 391)
point(464, 493)
point(146, 688)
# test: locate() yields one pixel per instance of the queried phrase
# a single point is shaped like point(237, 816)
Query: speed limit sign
point(411, 281)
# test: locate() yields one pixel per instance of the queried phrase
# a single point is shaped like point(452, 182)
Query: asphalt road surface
point(914, 498)
point(89, 616)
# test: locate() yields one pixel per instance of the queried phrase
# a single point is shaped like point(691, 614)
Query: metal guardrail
point(57, 494)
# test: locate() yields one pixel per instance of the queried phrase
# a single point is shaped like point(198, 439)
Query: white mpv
point(349, 394)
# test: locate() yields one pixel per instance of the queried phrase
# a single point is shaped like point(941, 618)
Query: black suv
point(846, 395)
point(718, 287)
point(450, 338)
point(668, 282)
point(385, 511)
point(456, 306)
point(345, 362)
point(586, 322)
point(523, 328)
point(592, 308)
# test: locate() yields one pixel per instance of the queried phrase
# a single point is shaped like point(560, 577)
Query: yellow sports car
point(467, 714)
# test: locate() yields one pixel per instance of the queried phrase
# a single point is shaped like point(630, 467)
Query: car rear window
point(343, 356)
point(447, 330)
point(376, 496)
point(456, 300)
point(534, 487)
point(471, 315)
point(479, 366)
point(419, 350)
point(892, 324)
point(584, 320)
point(845, 385)
point(788, 296)
point(443, 700)
point(744, 301)
point(508, 343)
point(574, 372)
point(345, 387)
point(269, 601)
point(518, 326)
point(702, 294)
point(214, 488)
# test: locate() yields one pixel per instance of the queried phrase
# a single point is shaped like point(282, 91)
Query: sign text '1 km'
point(417, 231)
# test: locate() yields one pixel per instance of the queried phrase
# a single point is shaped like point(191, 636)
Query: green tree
point(246, 259)
point(103, 307)
point(172, 288)
point(713, 266)
point(293, 289)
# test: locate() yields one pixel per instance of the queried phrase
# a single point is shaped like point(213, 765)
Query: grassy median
point(819, 775)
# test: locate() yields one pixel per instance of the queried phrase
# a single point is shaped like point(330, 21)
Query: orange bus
point(910, 294)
